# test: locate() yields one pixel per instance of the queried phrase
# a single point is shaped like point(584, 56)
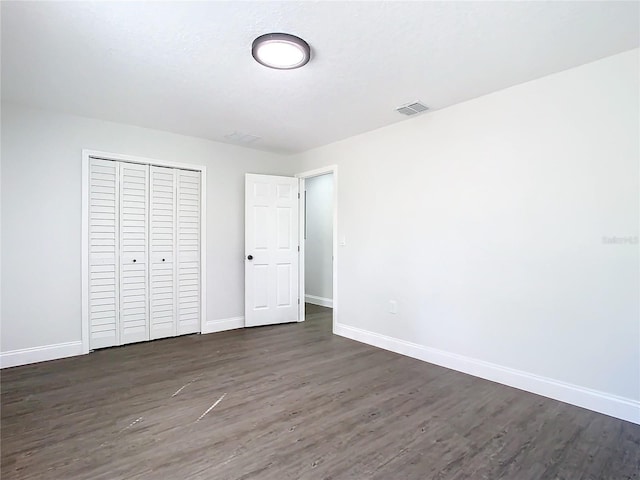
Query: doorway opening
point(318, 245)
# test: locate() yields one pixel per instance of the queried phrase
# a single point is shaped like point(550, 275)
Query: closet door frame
point(86, 156)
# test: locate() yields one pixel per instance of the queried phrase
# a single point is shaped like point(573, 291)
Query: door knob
point(163, 259)
point(249, 257)
point(134, 260)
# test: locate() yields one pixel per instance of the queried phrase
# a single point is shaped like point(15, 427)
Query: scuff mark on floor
point(211, 407)
point(185, 386)
point(137, 420)
point(182, 388)
point(131, 424)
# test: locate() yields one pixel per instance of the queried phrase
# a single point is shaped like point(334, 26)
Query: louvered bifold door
point(134, 215)
point(103, 254)
point(188, 251)
point(162, 245)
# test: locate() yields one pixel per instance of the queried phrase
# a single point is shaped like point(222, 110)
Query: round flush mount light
point(281, 51)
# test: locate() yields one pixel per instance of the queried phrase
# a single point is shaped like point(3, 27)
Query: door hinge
point(298, 301)
point(298, 195)
point(298, 247)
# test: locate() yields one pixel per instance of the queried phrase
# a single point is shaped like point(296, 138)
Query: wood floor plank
point(291, 402)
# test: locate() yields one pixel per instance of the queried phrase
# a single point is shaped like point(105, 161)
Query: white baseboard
point(613, 405)
point(323, 302)
point(223, 324)
point(24, 356)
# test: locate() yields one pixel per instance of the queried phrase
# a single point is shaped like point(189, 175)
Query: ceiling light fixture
point(281, 51)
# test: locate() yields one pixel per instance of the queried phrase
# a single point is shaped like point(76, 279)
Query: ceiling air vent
point(412, 108)
point(242, 138)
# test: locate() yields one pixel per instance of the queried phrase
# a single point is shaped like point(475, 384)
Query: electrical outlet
point(393, 307)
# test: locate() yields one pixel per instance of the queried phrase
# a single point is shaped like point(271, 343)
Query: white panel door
point(271, 250)
point(188, 251)
point(134, 215)
point(162, 245)
point(103, 254)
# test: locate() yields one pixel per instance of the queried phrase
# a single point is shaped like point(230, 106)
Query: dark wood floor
point(291, 402)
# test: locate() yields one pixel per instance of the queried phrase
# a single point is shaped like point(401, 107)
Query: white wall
point(318, 268)
point(41, 218)
point(485, 222)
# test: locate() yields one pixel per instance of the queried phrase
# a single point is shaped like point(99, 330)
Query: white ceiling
point(187, 67)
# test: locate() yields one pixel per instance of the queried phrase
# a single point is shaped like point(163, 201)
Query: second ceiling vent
point(412, 108)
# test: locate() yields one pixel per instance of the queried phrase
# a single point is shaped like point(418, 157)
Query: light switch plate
point(393, 307)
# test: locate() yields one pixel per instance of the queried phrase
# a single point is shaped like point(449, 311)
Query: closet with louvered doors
point(144, 252)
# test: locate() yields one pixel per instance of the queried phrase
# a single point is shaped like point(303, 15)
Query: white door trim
point(86, 154)
point(301, 294)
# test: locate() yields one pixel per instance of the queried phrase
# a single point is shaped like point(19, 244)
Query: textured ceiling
point(187, 67)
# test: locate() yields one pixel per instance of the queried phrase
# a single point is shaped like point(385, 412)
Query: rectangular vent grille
point(244, 138)
point(412, 108)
